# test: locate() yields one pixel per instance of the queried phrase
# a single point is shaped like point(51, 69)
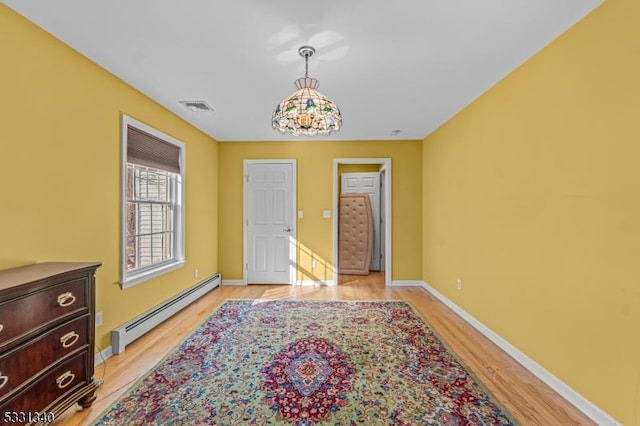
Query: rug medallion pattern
point(258, 362)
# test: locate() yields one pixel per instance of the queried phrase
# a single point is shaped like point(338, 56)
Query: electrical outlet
point(313, 263)
point(195, 273)
point(459, 284)
point(98, 319)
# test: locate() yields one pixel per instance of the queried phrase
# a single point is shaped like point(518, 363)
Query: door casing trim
point(385, 164)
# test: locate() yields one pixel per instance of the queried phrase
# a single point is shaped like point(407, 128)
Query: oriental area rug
point(259, 362)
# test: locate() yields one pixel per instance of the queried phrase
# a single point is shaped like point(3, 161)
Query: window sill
point(133, 279)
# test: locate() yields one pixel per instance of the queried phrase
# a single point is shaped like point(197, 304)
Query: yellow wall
point(315, 194)
point(531, 196)
point(358, 168)
point(60, 172)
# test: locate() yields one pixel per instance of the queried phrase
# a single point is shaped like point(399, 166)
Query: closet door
point(270, 223)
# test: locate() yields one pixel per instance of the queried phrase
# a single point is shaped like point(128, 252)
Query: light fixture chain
point(306, 65)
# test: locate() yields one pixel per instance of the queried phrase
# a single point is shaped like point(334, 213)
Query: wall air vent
point(197, 106)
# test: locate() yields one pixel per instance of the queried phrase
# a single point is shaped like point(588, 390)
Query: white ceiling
point(406, 65)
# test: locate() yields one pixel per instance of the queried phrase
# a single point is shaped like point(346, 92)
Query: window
point(152, 216)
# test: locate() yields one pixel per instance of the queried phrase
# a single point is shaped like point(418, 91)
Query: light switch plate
point(326, 214)
point(300, 214)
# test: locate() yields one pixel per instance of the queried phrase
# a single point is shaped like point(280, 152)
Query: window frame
point(131, 278)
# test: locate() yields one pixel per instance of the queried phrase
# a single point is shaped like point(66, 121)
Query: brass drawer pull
point(69, 339)
point(66, 299)
point(65, 379)
point(3, 380)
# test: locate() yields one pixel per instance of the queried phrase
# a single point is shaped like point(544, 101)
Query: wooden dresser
point(47, 337)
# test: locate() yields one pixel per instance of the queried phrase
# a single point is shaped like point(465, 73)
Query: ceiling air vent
point(197, 106)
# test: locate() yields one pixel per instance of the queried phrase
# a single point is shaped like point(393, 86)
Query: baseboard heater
point(131, 330)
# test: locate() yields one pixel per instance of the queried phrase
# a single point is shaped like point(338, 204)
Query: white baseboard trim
point(405, 283)
point(316, 283)
point(233, 282)
point(102, 356)
point(324, 283)
point(581, 403)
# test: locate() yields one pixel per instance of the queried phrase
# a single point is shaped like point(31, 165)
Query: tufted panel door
point(355, 234)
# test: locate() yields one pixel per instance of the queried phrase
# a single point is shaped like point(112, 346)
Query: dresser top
point(38, 271)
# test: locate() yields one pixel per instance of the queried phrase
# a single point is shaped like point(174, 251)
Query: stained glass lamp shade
point(306, 111)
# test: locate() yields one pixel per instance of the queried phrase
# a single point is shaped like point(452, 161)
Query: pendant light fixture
point(306, 111)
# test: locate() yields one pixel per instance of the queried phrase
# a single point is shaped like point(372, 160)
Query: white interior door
point(367, 183)
point(270, 222)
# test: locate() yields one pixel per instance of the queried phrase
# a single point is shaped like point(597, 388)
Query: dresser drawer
point(28, 314)
point(25, 361)
point(61, 382)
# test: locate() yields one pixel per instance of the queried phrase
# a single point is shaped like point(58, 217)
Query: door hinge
point(246, 266)
point(246, 178)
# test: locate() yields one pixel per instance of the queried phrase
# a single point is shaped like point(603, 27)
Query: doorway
point(369, 183)
point(382, 167)
point(269, 222)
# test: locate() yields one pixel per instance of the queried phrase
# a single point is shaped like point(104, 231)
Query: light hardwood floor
point(529, 400)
